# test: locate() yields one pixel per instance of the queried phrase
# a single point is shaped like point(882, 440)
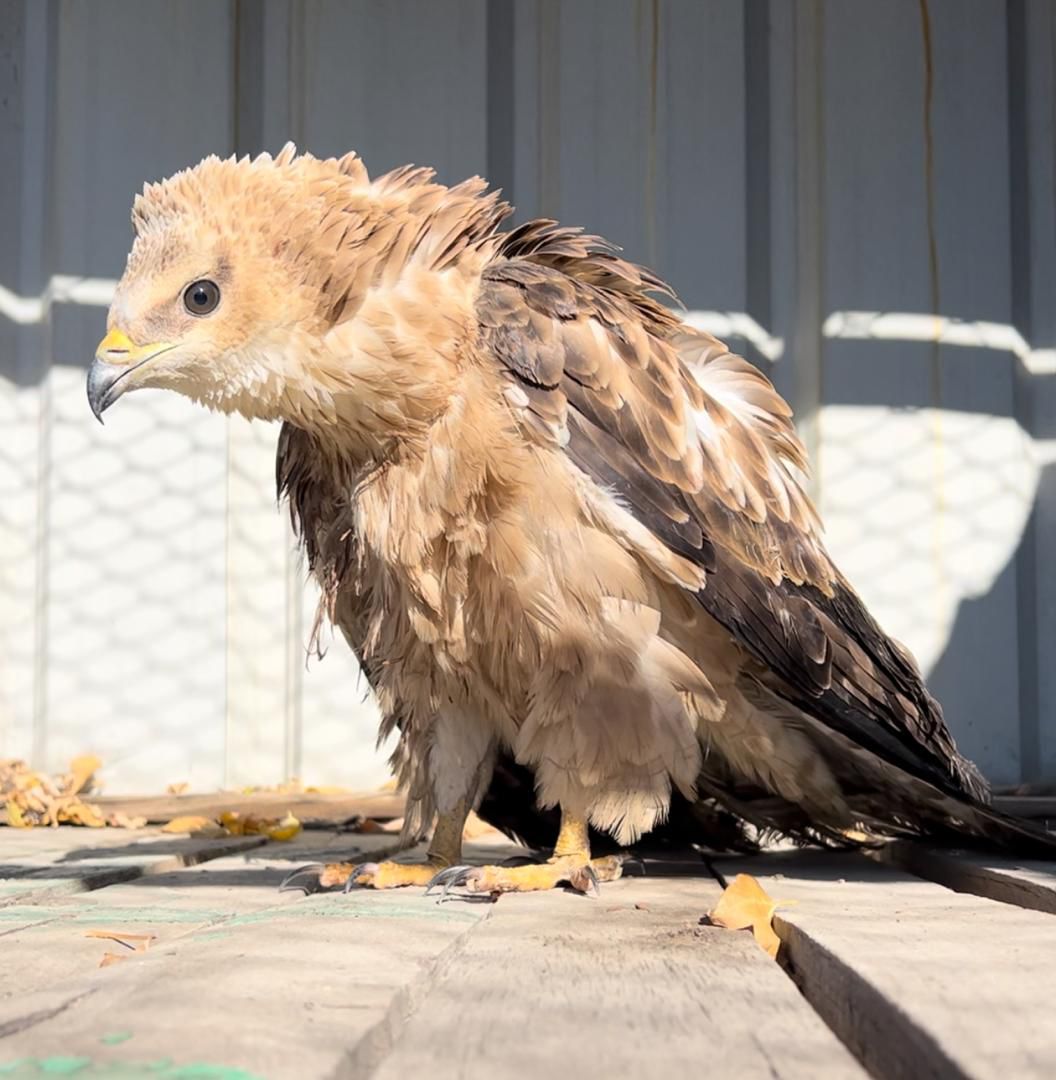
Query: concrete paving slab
point(38, 864)
point(240, 977)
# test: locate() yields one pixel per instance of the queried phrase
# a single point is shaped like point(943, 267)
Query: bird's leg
point(445, 850)
point(570, 864)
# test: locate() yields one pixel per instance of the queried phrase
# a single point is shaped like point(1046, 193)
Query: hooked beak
point(115, 359)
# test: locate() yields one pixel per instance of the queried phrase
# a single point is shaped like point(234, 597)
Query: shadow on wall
point(933, 514)
point(997, 734)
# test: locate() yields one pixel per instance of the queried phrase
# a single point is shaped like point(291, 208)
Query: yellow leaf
point(233, 821)
point(81, 770)
point(178, 788)
point(15, 817)
point(286, 829)
point(196, 825)
point(135, 942)
point(745, 903)
point(80, 813)
point(120, 820)
point(252, 825)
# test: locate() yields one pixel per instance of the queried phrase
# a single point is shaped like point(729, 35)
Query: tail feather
point(728, 816)
point(993, 829)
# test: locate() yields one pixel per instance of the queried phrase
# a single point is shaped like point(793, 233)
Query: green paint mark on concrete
point(209, 1072)
point(152, 915)
point(336, 907)
point(116, 1038)
point(21, 913)
point(347, 907)
point(52, 1066)
point(84, 1068)
point(64, 1066)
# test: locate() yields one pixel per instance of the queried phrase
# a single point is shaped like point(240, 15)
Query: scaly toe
point(585, 879)
point(534, 877)
point(390, 875)
point(361, 876)
point(611, 867)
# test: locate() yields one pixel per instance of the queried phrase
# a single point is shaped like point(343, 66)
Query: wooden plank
point(307, 806)
point(628, 985)
point(241, 977)
point(1036, 807)
point(1025, 884)
point(917, 980)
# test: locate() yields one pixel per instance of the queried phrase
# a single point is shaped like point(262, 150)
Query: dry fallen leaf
point(178, 788)
point(286, 829)
point(233, 821)
point(135, 943)
point(81, 770)
point(120, 820)
point(33, 798)
point(75, 812)
point(196, 825)
point(745, 903)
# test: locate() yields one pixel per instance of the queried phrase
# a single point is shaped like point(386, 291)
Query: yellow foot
point(391, 875)
point(384, 875)
point(581, 873)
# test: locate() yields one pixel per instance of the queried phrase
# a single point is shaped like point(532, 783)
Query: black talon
point(449, 878)
point(442, 876)
point(638, 864)
point(310, 872)
point(460, 879)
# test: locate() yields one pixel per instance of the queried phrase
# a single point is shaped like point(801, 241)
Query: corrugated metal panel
point(781, 163)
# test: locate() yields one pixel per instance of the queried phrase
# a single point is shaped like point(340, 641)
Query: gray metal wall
point(861, 195)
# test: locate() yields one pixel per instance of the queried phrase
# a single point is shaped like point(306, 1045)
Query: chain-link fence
point(154, 608)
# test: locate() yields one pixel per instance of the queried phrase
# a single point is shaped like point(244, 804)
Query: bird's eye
point(201, 297)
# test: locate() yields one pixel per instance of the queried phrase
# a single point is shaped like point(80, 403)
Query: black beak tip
point(101, 386)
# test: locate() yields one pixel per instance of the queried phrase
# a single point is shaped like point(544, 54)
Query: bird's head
point(241, 271)
point(220, 284)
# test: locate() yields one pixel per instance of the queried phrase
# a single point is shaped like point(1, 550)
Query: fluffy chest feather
point(461, 572)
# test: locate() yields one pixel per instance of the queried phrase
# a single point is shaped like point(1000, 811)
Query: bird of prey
point(562, 529)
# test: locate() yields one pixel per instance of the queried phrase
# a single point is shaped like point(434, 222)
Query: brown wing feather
point(699, 446)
